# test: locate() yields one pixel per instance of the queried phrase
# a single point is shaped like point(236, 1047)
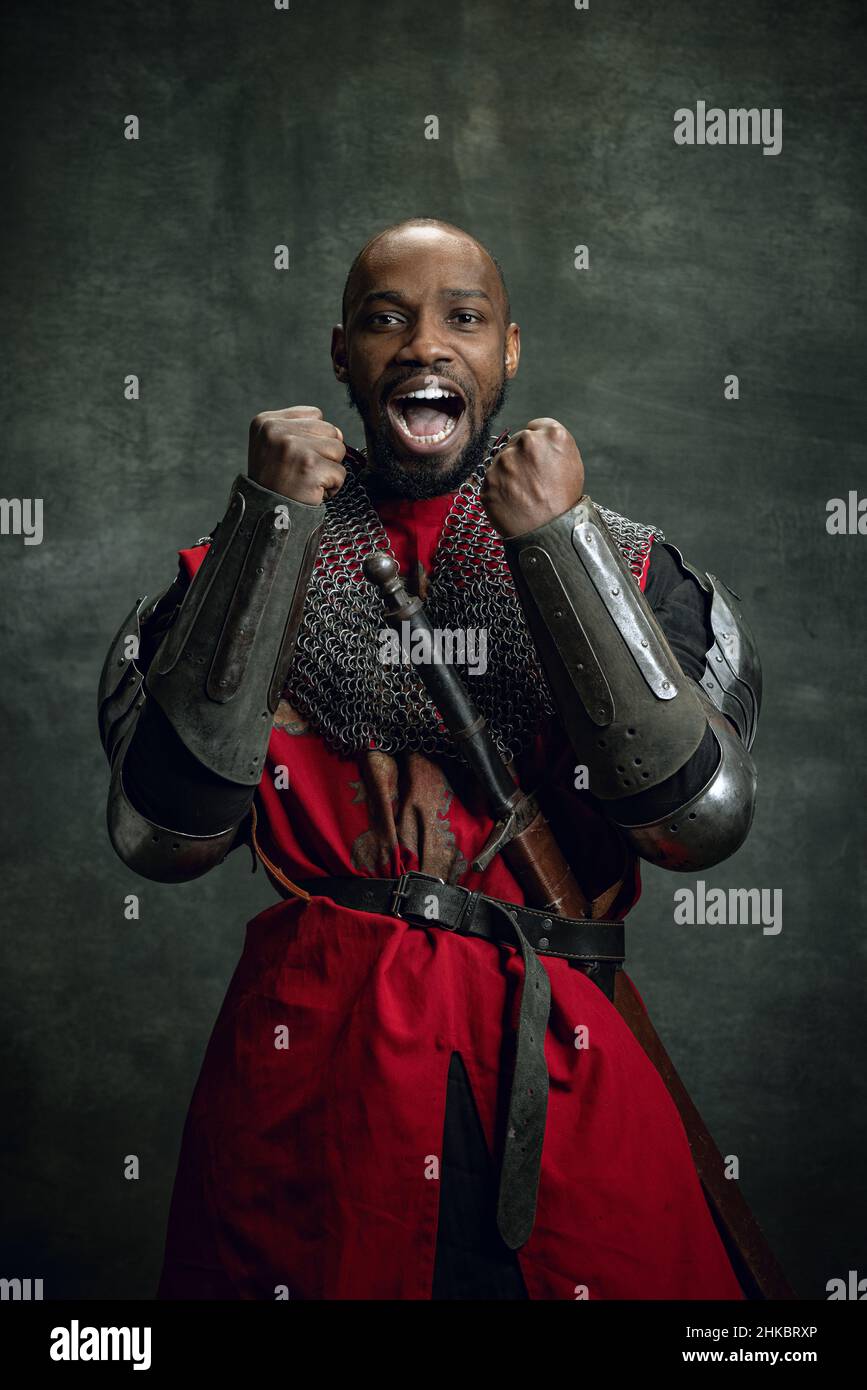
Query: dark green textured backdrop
point(260, 127)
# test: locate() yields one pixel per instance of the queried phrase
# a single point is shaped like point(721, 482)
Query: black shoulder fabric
point(167, 785)
point(681, 608)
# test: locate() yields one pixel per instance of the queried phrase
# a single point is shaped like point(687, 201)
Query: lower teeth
point(427, 438)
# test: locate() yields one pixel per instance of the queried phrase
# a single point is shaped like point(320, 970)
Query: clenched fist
point(539, 475)
point(297, 453)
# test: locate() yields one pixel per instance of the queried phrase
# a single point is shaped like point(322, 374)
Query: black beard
point(425, 478)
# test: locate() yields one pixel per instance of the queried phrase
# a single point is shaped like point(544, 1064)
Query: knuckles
point(291, 458)
point(284, 437)
point(543, 433)
point(516, 469)
point(293, 415)
point(534, 444)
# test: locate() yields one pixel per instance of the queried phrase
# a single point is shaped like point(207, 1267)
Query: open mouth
point(426, 417)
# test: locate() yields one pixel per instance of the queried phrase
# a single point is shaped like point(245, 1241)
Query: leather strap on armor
point(218, 674)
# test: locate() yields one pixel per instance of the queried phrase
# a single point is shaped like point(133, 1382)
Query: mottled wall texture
point(307, 127)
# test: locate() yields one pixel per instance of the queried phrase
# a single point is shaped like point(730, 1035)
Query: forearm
point(666, 765)
point(186, 726)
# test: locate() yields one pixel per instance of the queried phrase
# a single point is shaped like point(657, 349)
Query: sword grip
point(542, 870)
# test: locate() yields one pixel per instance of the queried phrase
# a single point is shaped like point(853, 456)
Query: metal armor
point(217, 671)
point(633, 716)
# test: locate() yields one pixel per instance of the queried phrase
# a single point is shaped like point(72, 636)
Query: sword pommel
point(379, 568)
point(383, 571)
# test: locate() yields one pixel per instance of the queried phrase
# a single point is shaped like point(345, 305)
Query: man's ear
point(338, 353)
point(512, 354)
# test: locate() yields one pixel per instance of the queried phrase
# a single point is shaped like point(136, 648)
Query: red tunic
point(312, 1166)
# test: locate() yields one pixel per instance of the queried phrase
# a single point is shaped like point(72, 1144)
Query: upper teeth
point(426, 393)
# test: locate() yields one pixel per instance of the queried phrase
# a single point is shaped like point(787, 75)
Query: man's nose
point(426, 344)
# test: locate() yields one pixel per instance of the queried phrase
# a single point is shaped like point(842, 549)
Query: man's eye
point(464, 315)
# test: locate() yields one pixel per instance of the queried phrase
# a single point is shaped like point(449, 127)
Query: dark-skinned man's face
point(425, 354)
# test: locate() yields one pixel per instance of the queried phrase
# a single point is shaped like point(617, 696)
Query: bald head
point(417, 231)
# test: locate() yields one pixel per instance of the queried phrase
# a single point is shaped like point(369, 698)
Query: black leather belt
point(587, 944)
point(595, 947)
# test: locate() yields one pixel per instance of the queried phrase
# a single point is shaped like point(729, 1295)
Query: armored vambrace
point(218, 672)
point(633, 716)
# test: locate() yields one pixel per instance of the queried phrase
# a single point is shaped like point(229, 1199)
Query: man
point(414, 1090)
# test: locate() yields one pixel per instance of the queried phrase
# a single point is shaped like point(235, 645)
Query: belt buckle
point(400, 891)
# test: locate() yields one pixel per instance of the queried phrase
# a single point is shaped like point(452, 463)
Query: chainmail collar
point(337, 681)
